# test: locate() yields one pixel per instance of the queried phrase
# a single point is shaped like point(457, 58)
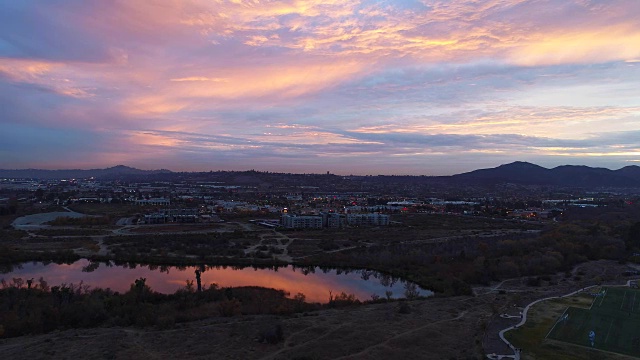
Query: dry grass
point(164, 228)
point(434, 329)
point(72, 232)
point(55, 244)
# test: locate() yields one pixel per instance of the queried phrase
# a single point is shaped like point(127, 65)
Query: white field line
point(603, 296)
point(554, 325)
point(608, 331)
point(623, 298)
point(593, 302)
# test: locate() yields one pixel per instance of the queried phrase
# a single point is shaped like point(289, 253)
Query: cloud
point(332, 82)
point(597, 45)
point(198, 78)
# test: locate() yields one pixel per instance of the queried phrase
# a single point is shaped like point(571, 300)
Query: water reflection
point(316, 283)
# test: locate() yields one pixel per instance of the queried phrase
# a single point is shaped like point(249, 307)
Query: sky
point(432, 87)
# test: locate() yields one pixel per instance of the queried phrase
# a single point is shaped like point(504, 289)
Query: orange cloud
point(145, 138)
point(53, 75)
point(25, 70)
point(153, 104)
point(585, 46)
point(309, 138)
point(198, 78)
point(208, 65)
point(566, 122)
point(276, 82)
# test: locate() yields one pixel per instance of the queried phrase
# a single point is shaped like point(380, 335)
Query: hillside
point(108, 173)
point(565, 175)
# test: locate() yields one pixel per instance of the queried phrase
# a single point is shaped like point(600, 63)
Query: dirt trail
point(282, 243)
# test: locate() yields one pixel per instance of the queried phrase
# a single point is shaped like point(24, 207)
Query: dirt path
point(99, 239)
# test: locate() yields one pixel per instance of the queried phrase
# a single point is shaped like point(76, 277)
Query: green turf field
point(614, 318)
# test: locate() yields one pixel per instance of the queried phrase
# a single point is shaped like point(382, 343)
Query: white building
point(154, 201)
point(367, 219)
point(334, 220)
point(301, 222)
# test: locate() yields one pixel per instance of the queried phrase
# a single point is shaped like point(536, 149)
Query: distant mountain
point(108, 173)
point(518, 172)
point(632, 171)
point(567, 175)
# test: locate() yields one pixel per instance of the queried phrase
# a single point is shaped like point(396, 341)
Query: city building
point(367, 219)
point(301, 222)
point(334, 220)
point(189, 215)
point(153, 201)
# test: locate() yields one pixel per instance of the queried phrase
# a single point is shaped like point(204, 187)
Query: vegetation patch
point(200, 246)
point(71, 232)
point(31, 307)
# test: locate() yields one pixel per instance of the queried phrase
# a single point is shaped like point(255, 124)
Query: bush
point(165, 322)
point(404, 308)
point(229, 308)
point(272, 335)
point(533, 281)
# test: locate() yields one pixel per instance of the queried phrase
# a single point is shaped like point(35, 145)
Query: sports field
point(614, 319)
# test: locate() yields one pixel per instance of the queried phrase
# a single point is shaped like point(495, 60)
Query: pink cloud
point(124, 69)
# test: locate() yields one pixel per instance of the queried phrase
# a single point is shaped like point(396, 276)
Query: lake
point(315, 283)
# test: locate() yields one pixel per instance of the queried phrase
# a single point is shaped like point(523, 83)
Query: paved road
point(125, 221)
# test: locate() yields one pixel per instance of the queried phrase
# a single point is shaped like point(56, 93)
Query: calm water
point(315, 283)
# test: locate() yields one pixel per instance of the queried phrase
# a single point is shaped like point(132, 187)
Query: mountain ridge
point(106, 173)
point(525, 173)
point(518, 172)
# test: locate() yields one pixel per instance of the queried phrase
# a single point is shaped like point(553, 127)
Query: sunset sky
point(431, 87)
